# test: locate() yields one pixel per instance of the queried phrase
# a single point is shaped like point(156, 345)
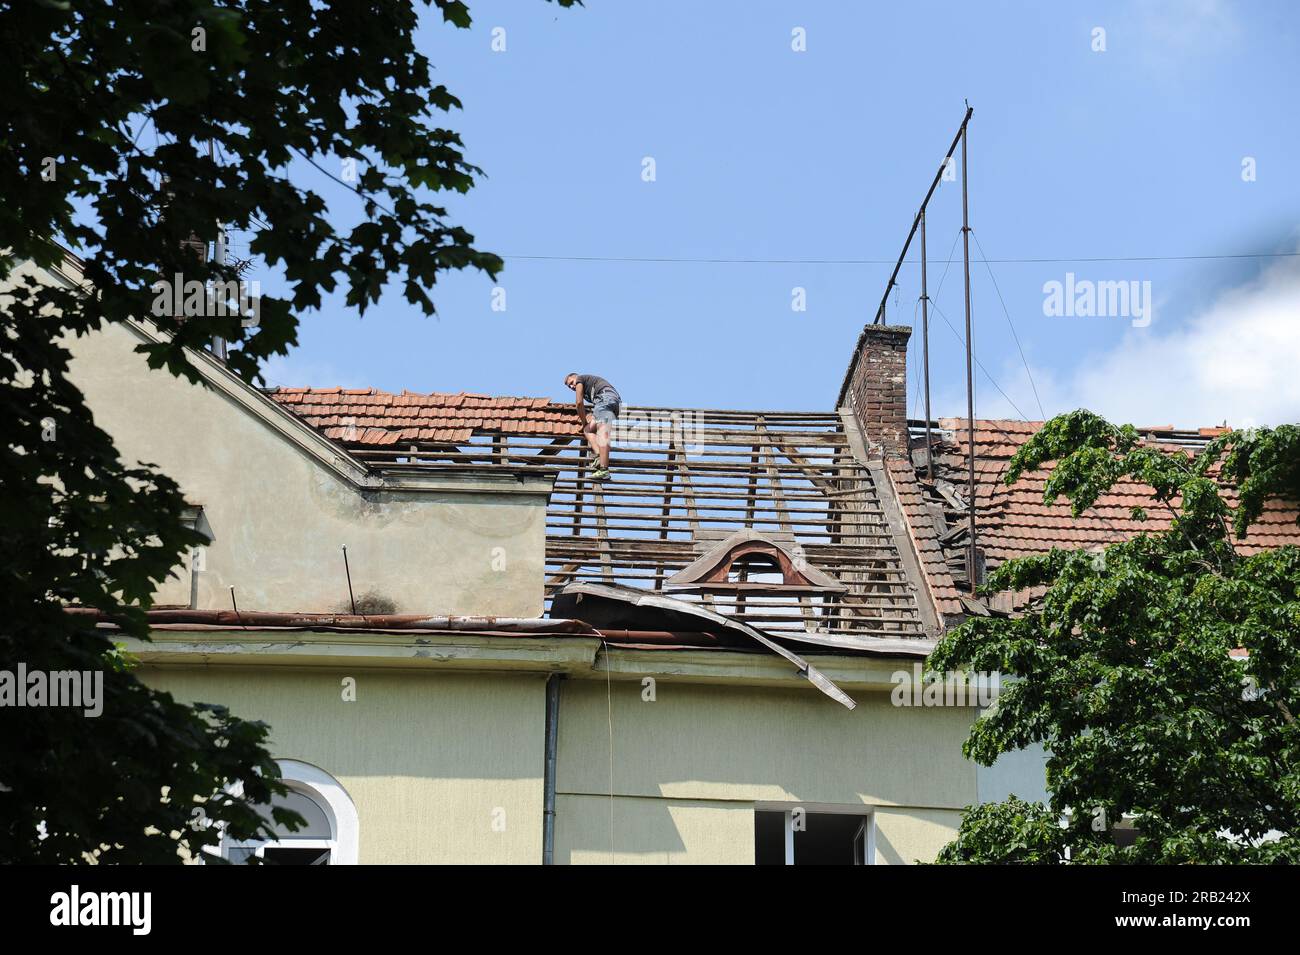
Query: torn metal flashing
point(603, 602)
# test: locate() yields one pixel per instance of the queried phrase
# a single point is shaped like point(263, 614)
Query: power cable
point(680, 260)
point(978, 363)
point(1010, 325)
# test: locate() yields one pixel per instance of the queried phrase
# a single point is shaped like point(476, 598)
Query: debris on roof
point(683, 480)
point(924, 523)
point(1014, 522)
point(610, 603)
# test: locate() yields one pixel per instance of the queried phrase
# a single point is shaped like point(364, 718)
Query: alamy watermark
point(1084, 298)
point(133, 910)
point(953, 688)
point(659, 429)
point(179, 298)
point(78, 689)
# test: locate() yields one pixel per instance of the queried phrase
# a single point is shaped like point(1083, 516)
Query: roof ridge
point(1210, 430)
point(404, 393)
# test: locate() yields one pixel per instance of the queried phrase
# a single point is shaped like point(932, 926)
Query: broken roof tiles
point(656, 528)
point(1015, 521)
point(925, 538)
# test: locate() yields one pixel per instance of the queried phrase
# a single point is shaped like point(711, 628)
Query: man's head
point(571, 381)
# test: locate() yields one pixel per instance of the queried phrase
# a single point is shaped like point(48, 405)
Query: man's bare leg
point(592, 436)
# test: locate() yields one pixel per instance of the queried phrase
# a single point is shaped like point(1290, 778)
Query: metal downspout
point(548, 775)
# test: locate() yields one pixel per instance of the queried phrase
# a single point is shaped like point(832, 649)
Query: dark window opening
point(820, 838)
point(769, 838)
point(288, 855)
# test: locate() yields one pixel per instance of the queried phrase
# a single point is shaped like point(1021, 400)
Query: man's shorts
point(605, 408)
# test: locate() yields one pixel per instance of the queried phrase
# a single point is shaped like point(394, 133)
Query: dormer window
point(756, 568)
point(751, 562)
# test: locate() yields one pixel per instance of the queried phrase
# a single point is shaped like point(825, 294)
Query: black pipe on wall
point(548, 774)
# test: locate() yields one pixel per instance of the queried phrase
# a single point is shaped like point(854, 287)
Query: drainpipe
point(548, 776)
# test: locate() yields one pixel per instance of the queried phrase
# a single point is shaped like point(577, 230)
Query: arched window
point(330, 836)
point(750, 561)
point(755, 568)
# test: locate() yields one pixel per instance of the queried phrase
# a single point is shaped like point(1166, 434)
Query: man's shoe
point(600, 474)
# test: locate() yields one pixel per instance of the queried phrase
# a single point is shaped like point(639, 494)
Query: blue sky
point(764, 152)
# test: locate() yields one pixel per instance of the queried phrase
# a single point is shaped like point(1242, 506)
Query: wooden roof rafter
point(685, 479)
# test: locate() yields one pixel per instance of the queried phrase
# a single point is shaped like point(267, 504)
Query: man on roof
point(596, 426)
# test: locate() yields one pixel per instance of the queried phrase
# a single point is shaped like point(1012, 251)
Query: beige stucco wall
point(430, 755)
point(701, 832)
point(431, 760)
point(652, 831)
point(689, 767)
point(762, 743)
point(278, 517)
point(907, 836)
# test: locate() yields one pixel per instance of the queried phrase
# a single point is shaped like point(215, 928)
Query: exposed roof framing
point(683, 480)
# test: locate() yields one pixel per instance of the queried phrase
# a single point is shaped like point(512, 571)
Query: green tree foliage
point(1126, 665)
point(234, 92)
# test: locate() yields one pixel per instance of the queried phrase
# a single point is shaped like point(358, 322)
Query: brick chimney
point(875, 386)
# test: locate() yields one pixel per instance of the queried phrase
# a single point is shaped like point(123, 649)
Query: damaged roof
point(1015, 522)
point(686, 480)
point(683, 480)
point(612, 603)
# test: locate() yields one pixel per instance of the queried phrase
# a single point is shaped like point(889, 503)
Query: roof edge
point(329, 454)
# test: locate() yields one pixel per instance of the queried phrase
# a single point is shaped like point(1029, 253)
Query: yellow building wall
point(278, 518)
point(436, 763)
point(652, 831)
point(761, 743)
point(689, 767)
point(907, 836)
point(598, 830)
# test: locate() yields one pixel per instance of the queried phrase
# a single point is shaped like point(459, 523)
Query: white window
point(328, 838)
point(813, 835)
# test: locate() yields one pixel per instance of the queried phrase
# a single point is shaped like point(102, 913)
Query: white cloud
point(1237, 360)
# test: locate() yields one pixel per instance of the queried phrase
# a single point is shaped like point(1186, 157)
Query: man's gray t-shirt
point(593, 385)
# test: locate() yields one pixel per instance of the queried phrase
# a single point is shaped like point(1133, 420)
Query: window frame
point(867, 814)
point(328, 793)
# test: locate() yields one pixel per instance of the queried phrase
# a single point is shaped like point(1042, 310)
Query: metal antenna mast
point(918, 222)
point(970, 377)
point(961, 132)
point(925, 353)
point(219, 255)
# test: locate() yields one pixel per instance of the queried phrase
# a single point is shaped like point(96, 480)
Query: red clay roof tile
point(364, 417)
point(1015, 521)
